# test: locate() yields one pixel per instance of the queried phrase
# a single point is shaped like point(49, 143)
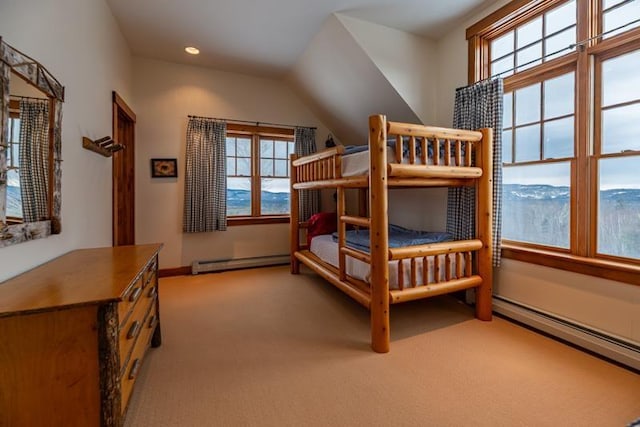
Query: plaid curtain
point(34, 158)
point(205, 184)
point(478, 106)
point(305, 144)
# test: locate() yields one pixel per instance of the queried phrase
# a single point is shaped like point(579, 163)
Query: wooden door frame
point(119, 106)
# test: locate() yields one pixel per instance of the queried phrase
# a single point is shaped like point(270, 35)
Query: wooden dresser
point(73, 334)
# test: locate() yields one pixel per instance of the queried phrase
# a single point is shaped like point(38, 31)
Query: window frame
point(255, 133)
point(582, 257)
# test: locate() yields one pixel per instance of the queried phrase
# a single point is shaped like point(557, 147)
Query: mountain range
point(279, 202)
point(549, 192)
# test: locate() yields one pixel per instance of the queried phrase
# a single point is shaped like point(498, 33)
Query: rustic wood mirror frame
point(15, 63)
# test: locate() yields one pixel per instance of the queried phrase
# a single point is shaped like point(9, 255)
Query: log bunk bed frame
point(324, 170)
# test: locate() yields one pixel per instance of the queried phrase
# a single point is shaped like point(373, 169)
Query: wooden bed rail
point(428, 171)
point(324, 154)
point(356, 220)
point(446, 151)
point(434, 249)
point(410, 129)
point(320, 168)
point(418, 292)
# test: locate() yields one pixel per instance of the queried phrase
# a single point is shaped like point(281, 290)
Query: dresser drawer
point(133, 294)
point(132, 368)
point(134, 323)
point(149, 274)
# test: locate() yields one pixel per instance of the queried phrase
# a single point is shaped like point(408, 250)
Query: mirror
point(30, 148)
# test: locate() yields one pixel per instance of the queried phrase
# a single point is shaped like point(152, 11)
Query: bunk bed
point(400, 155)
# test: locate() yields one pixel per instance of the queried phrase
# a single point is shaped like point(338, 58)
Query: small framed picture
point(164, 168)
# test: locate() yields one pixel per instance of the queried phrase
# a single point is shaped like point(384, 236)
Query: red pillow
point(321, 223)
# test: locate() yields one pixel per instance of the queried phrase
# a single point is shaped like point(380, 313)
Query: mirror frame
point(12, 61)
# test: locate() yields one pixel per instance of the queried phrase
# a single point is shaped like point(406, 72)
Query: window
point(548, 36)
point(14, 197)
point(258, 174)
point(618, 157)
point(571, 135)
point(538, 141)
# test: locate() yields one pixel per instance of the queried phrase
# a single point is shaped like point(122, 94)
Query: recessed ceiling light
point(192, 50)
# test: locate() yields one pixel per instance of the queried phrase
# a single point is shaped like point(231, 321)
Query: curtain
point(205, 185)
point(34, 158)
point(305, 144)
point(478, 106)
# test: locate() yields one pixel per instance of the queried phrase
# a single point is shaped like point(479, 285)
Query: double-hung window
point(258, 174)
point(571, 130)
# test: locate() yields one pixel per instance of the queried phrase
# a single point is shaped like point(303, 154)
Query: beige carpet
point(264, 348)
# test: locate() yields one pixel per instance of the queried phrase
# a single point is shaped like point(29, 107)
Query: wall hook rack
point(105, 146)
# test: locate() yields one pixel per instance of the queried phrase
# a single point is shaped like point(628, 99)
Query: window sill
point(256, 220)
point(612, 270)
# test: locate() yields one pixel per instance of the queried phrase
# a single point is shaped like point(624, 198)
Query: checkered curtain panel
point(305, 144)
point(205, 182)
point(478, 106)
point(34, 158)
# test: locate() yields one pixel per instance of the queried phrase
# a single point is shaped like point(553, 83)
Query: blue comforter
point(398, 237)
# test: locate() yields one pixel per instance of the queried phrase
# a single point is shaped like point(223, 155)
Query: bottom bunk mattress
point(325, 248)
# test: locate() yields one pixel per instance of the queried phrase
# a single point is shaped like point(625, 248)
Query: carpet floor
point(262, 347)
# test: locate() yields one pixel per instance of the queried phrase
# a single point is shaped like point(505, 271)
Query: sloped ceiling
point(264, 38)
point(352, 69)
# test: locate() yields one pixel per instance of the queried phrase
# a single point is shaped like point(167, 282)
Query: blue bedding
point(398, 237)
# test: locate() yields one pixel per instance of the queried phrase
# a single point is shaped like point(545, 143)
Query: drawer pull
point(152, 321)
point(133, 373)
point(149, 277)
point(133, 330)
point(135, 294)
point(152, 292)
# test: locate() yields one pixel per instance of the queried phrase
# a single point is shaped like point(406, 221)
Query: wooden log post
point(484, 224)
point(378, 233)
point(294, 214)
point(341, 208)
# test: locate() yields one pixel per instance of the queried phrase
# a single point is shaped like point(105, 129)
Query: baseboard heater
point(617, 349)
point(237, 263)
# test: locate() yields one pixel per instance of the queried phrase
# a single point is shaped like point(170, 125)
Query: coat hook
point(105, 146)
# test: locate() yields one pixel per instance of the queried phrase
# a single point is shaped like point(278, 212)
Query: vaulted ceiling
point(345, 58)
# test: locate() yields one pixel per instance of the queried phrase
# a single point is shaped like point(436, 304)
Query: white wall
point(403, 58)
point(406, 61)
point(608, 306)
point(165, 95)
point(79, 42)
point(342, 83)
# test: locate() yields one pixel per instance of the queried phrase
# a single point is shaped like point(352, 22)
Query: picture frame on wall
point(164, 168)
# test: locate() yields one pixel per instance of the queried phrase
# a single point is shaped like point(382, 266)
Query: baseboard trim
point(598, 342)
point(170, 272)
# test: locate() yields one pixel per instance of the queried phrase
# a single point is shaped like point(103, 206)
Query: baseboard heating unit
point(617, 349)
point(237, 263)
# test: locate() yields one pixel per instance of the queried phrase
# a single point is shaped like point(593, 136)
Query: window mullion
point(255, 175)
point(582, 215)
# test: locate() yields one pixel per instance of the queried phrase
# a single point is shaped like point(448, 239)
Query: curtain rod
point(28, 97)
point(250, 122)
point(580, 44)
